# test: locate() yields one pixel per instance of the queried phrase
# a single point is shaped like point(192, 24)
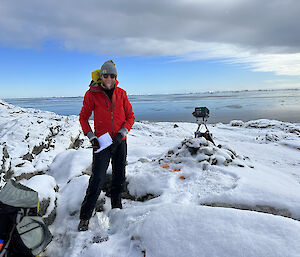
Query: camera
point(201, 112)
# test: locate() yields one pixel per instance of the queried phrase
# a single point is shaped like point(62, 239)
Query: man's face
point(108, 80)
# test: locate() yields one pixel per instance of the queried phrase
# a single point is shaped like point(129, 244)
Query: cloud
point(263, 35)
point(281, 64)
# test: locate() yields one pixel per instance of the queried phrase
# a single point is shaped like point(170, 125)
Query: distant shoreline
point(168, 94)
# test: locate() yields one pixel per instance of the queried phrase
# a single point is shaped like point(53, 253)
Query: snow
point(77, 162)
point(239, 198)
point(170, 230)
point(70, 197)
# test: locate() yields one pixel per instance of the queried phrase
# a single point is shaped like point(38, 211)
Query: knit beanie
point(108, 68)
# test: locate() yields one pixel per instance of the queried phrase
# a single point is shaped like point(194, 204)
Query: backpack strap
point(20, 214)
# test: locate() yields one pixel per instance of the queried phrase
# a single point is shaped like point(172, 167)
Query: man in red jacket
point(113, 114)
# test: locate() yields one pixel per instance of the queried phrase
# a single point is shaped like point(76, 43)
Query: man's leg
point(118, 174)
point(96, 183)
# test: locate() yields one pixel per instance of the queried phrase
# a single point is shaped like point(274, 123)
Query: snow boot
point(83, 225)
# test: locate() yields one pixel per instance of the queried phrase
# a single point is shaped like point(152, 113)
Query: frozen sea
point(225, 106)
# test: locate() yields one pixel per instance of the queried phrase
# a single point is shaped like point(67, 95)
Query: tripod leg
point(208, 137)
point(197, 131)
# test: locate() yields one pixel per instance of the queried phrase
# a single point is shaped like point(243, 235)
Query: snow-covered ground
point(240, 198)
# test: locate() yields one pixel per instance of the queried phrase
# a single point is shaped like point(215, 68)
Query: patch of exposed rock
point(258, 208)
point(76, 143)
point(51, 217)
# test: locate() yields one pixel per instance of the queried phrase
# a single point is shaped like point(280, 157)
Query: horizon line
point(183, 93)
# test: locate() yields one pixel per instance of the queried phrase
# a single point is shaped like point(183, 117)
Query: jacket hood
point(97, 87)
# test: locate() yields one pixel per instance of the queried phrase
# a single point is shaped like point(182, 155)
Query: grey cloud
point(142, 27)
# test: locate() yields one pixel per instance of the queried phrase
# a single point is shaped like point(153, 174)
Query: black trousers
point(97, 180)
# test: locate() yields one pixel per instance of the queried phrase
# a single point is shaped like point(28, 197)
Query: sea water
point(246, 105)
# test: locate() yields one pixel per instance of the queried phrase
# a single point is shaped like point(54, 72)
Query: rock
point(204, 152)
point(99, 207)
point(76, 143)
point(144, 160)
point(207, 151)
point(44, 204)
point(205, 165)
point(29, 175)
point(20, 164)
point(38, 149)
point(8, 174)
point(193, 150)
point(27, 136)
point(146, 197)
point(258, 208)
point(236, 123)
point(51, 217)
point(28, 157)
point(170, 152)
point(5, 153)
point(4, 157)
point(214, 161)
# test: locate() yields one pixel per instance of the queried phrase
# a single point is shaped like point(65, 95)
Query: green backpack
point(22, 231)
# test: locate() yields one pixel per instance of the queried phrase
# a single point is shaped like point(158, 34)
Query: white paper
point(104, 141)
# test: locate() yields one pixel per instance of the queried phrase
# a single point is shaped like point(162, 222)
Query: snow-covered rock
point(47, 188)
point(69, 164)
point(30, 139)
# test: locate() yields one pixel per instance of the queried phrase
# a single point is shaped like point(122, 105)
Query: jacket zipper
point(112, 121)
point(111, 112)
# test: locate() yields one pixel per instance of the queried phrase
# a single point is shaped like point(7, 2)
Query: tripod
point(202, 130)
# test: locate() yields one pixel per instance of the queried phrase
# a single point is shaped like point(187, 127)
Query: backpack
point(96, 76)
point(22, 231)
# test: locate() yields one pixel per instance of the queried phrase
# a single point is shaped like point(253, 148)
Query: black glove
point(94, 141)
point(95, 144)
point(116, 141)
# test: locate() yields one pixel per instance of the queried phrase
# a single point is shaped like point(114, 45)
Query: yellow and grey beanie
point(108, 68)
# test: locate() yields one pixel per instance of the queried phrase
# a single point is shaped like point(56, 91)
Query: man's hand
point(95, 143)
point(116, 141)
point(93, 139)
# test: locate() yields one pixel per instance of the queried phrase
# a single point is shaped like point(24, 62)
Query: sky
point(50, 47)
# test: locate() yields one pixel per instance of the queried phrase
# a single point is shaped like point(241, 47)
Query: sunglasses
point(112, 76)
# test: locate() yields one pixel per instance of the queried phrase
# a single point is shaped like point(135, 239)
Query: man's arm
point(129, 115)
point(129, 120)
point(85, 114)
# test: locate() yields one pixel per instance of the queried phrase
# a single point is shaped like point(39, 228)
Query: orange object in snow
point(182, 177)
point(176, 170)
point(165, 166)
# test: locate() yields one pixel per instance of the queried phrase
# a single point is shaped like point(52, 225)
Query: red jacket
point(109, 116)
